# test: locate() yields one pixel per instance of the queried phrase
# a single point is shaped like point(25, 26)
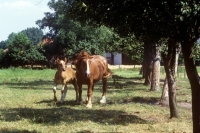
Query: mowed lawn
point(26, 105)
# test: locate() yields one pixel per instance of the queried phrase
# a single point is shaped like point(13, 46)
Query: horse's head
point(78, 58)
point(81, 62)
point(61, 64)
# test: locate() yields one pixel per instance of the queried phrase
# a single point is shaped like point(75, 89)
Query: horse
point(89, 70)
point(64, 75)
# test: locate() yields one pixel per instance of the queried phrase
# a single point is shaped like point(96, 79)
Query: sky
point(18, 15)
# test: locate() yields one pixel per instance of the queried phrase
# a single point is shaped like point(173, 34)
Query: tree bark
point(147, 65)
point(170, 69)
point(187, 47)
point(155, 80)
point(165, 94)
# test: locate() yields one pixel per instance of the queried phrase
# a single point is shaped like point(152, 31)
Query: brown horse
point(89, 70)
point(63, 76)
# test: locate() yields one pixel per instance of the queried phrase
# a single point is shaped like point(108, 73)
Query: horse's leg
point(89, 94)
point(80, 101)
point(103, 99)
point(76, 89)
point(63, 92)
point(54, 91)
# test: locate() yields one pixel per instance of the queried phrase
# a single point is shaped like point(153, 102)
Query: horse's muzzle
point(87, 75)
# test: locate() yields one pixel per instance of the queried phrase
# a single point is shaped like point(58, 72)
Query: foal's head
point(61, 64)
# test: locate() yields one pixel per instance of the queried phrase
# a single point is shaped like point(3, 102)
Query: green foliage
point(11, 36)
point(133, 48)
point(153, 19)
point(22, 51)
point(196, 52)
point(3, 44)
point(73, 36)
point(34, 34)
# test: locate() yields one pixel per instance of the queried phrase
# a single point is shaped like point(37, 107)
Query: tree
point(3, 45)
point(178, 20)
point(22, 51)
point(72, 36)
point(34, 34)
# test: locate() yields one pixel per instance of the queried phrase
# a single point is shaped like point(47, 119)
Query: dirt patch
point(179, 104)
point(123, 66)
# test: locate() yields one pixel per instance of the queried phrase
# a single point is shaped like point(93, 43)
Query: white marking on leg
point(103, 99)
point(89, 104)
point(87, 99)
point(54, 87)
point(63, 94)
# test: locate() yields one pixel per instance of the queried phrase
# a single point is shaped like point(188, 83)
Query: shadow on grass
point(8, 130)
point(53, 116)
point(58, 103)
point(36, 84)
point(121, 82)
point(115, 82)
point(142, 100)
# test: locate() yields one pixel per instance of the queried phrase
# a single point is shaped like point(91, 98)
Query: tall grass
point(27, 105)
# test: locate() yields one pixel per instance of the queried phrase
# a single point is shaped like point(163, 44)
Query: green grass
point(27, 105)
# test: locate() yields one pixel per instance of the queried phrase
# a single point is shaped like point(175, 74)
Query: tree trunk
point(141, 71)
point(170, 69)
point(165, 94)
point(187, 47)
point(147, 64)
point(155, 80)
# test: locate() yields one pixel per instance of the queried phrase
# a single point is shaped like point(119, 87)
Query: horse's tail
point(109, 74)
point(73, 67)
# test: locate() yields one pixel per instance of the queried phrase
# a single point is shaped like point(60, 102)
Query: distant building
point(119, 59)
point(114, 59)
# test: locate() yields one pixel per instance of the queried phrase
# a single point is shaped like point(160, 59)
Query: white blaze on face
point(63, 64)
point(88, 67)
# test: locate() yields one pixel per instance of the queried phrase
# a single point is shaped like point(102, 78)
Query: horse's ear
point(57, 60)
point(65, 59)
point(90, 57)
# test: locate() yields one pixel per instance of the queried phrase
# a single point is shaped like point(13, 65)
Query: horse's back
point(65, 76)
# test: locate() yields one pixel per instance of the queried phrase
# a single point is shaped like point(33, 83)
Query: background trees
point(128, 21)
point(34, 34)
point(21, 52)
point(176, 20)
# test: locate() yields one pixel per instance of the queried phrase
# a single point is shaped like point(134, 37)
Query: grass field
point(27, 105)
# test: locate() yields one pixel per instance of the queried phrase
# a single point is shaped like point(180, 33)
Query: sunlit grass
point(27, 105)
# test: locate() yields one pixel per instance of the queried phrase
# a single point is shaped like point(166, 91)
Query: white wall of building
point(117, 58)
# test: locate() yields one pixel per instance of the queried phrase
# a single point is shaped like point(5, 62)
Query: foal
point(63, 76)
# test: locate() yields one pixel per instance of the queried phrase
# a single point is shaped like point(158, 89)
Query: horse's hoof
point(103, 100)
point(89, 106)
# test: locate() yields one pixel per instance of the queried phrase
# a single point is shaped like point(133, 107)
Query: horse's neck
point(59, 70)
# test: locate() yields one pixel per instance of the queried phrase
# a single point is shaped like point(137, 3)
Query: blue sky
point(17, 15)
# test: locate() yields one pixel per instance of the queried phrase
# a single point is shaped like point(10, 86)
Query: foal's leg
point(76, 89)
point(63, 93)
point(103, 99)
point(54, 91)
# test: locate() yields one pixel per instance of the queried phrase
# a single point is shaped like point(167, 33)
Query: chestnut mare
point(63, 76)
point(89, 70)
